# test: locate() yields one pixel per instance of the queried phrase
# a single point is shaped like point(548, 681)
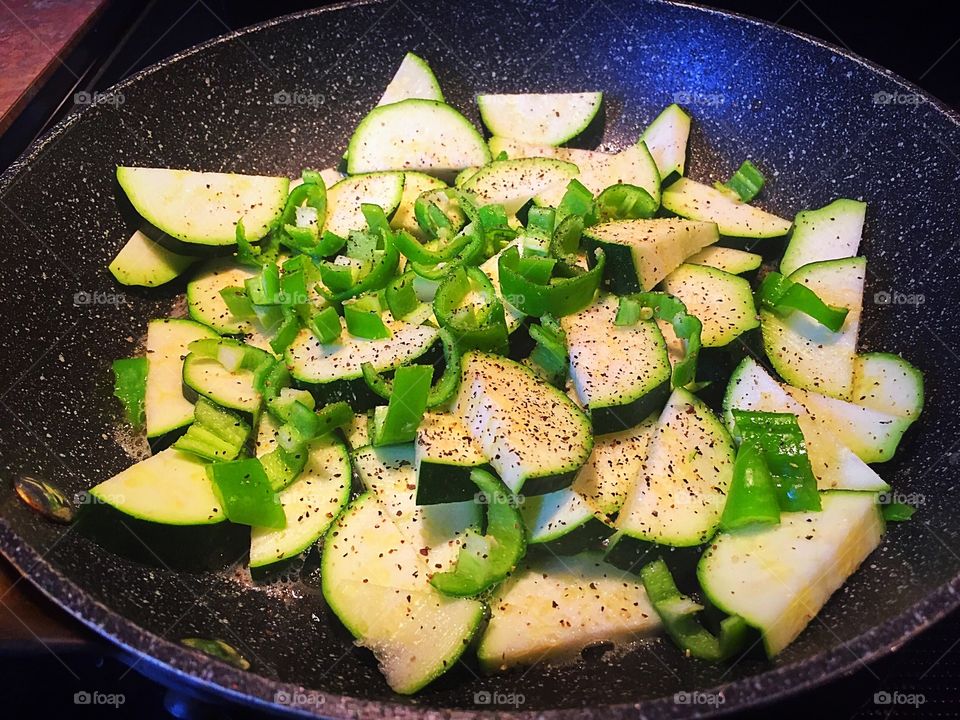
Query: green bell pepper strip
point(313, 193)
point(471, 254)
point(747, 181)
point(433, 221)
point(625, 202)
point(400, 295)
point(669, 309)
point(293, 286)
point(565, 243)
point(376, 218)
point(779, 436)
point(363, 245)
point(238, 303)
point(364, 319)
point(536, 269)
point(382, 272)
point(782, 295)
point(300, 425)
point(541, 221)
point(264, 252)
point(433, 253)
point(486, 560)
point(577, 200)
point(246, 494)
point(216, 433)
point(130, 386)
point(264, 289)
point(441, 392)
point(752, 495)
point(550, 351)
point(324, 325)
point(398, 422)
point(337, 278)
point(561, 296)
point(480, 326)
point(286, 332)
point(897, 512)
point(679, 616)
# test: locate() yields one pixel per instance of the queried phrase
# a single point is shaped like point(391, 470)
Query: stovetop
point(918, 680)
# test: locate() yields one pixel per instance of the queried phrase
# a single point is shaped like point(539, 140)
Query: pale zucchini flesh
point(143, 262)
point(543, 118)
point(722, 302)
point(696, 201)
point(830, 233)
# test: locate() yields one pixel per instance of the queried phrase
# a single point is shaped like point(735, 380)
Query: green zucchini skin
point(588, 536)
point(622, 281)
point(623, 417)
point(438, 483)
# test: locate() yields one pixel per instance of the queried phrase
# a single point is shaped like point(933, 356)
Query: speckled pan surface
point(821, 124)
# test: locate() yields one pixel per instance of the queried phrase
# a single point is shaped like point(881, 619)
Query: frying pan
point(820, 122)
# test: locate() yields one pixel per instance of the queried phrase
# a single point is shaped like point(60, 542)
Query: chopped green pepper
point(129, 386)
point(482, 324)
point(625, 202)
point(238, 303)
point(324, 324)
point(245, 493)
point(441, 392)
point(669, 309)
point(560, 296)
point(364, 319)
point(782, 295)
point(752, 495)
point(215, 434)
point(398, 421)
point(550, 351)
point(747, 181)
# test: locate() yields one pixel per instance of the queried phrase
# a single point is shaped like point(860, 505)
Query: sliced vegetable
point(130, 387)
point(545, 118)
point(752, 497)
point(399, 421)
point(246, 493)
point(782, 295)
point(141, 261)
point(696, 201)
point(572, 289)
point(746, 182)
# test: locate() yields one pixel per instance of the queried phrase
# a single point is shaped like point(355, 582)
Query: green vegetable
point(401, 296)
point(573, 289)
point(577, 200)
point(381, 272)
point(215, 434)
point(782, 295)
point(286, 332)
point(432, 253)
point(324, 324)
point(485, 560)
point(478, 325)
point(669, 309)
point(264, 289)
point(255, 255)
point(313, 193)
point(550, 352)
point(679, 616)
point(364, 319)
point(238, 303)
point(746, 182)
point(300, 425)
point(897, 512)
point(779, 437)
point(245, 493)
point(752, 495)
point(398, 422)
point(129, 386)
point(441, 392)
point(625, 202)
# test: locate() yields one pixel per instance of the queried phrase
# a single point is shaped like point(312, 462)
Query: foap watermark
point(698, 98)
point(298, 97)
point(895, 297)
point(499, 498)
point(97, 98)
point(895, 497)
point(485, 697)
point(299, 698)
point(84, 697)
point(884, 97)
point(98, 297)
point(85, 497)
point(885, 697)
point(697, 697)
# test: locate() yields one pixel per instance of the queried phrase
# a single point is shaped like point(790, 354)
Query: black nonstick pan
point(821, 124)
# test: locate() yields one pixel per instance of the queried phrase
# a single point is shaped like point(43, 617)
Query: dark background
point(918, 40)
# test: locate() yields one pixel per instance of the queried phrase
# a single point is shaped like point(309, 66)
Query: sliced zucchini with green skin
point(423, 135)
point(614, 465)
point(143, 262)
point(835, 465)
point(729, 260)
point(830, 233)
point(804, 352)
point(413, 79)
point(310, 503)
point(167, 340)
point(357, 433)
point(871, 434)
point(563, 522)
point(722, 302)
point(204, 301)
point(679, 496)
point(513, 183)
point(207, 377)
point(544, 118)
point(696, 201)
point(491, 268)
point(552, 608)
point(313, 362)
point(641, 253)
point(345, 198)
point(377, 586)
point(437, 532)
point(532, 434)
point(887, 383)
point(444, 456)
point(463, 176)
point(778, 577)
point(666, 139)
point(201, 209)
point(163, 511)
point(414, 185)
point(621, 373)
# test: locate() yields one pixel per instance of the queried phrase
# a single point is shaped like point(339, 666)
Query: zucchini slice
point(778, 577)
point(563, 522)
point(444, 456)
point(415, 134)
point(377, 585)
point(804, 352)
point(830, 233)
point(641, 253)
point(887, 383)
point(532, 434)
point(207, 377)
point(201, 209)
point(141, 261)
point(621, 373)
point(413, 79)
point(666, 139)
point(731, 260)
point(167, 340)
point(414, 185)
point(696, 201)
point(678, 497)
point(543, 118)
point(513, 183)
point(723, 302)
point(554, 607)
point(205, 303)
point(345, 198)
